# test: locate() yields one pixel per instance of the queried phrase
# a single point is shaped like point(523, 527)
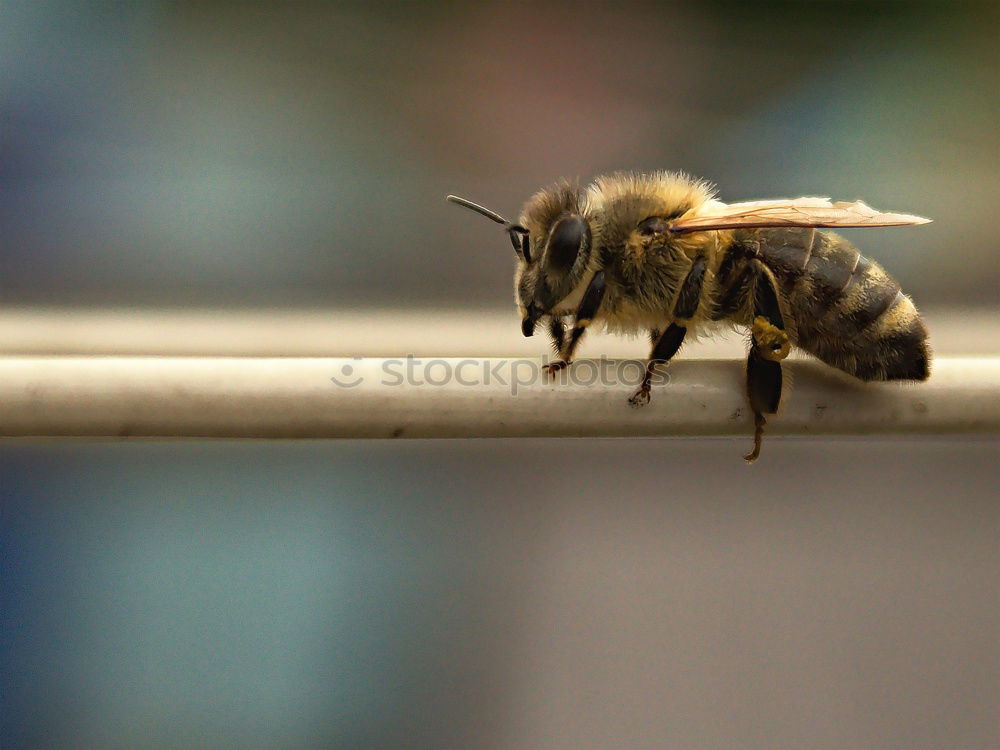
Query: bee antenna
point(479, 209)
point(518, 234)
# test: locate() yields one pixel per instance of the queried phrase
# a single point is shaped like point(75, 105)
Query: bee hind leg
point(764, 391)
point(770, 345)
point(759, 421)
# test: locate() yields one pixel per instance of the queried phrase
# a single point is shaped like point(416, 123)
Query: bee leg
point(666, 346)
point(558, 333)
point(758, 434)
point(584, 315)
point(764, 390)
point(770, 346)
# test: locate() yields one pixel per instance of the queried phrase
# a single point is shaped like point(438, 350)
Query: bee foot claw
point(553, 368)
point(639, 398)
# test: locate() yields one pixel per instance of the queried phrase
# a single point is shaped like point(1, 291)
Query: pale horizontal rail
point(378, 398)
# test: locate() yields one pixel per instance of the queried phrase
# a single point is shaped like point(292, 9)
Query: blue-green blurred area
point(298, 154)
point(498, 594)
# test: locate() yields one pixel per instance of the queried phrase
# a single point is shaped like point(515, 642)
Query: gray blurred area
point(233, 157)
point(216, 153)
point(500, 594)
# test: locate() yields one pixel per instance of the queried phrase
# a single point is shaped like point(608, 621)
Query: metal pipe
point(450, 397)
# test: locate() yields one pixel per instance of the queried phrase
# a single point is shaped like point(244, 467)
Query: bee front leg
point(770, 346)
point(585, 313)
point(666, 346)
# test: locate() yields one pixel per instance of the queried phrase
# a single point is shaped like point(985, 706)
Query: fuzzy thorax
point(650, 264)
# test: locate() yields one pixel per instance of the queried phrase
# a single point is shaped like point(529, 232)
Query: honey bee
point(659, 253)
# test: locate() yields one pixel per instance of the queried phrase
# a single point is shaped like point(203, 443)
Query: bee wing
point(797, 212)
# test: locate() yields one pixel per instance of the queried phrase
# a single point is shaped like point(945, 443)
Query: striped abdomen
point(847, 311)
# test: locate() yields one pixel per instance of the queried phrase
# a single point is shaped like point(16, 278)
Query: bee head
point(559, 250)
point(553, 247)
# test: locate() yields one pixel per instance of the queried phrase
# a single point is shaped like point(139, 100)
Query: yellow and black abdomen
point(846, 310)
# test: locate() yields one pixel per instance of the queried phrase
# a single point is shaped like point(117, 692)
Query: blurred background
point(298, 154)
point(249, 158)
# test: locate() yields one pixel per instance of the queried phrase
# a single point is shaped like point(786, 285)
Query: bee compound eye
point(565, 242)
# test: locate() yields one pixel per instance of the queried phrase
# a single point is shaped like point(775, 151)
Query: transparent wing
point(797, 212)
